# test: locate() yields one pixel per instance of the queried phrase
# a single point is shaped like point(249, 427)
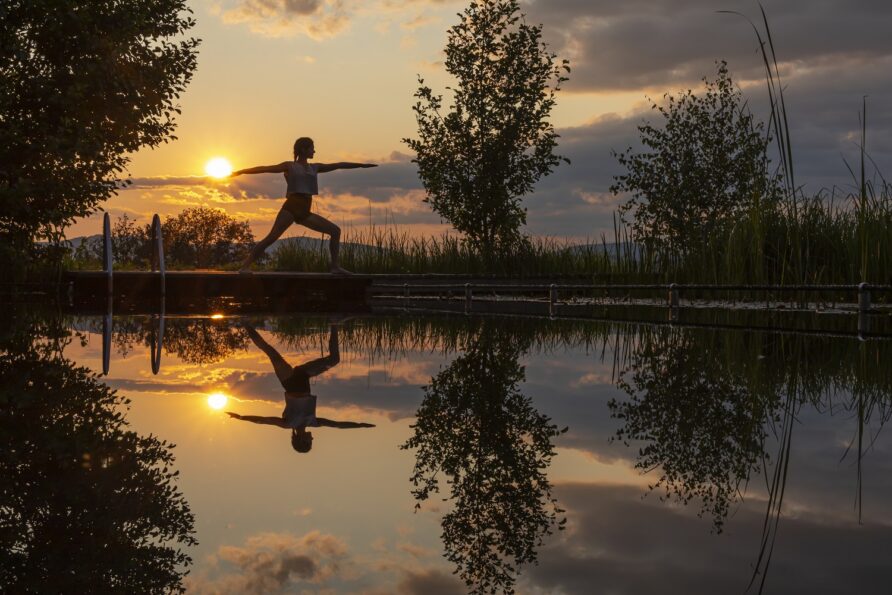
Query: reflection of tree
point(193, 340)
point(88, 505)
point(479, 431)
point(703, 428)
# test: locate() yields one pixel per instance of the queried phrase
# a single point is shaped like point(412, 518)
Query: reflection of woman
point(302, 185)
point(300, 405)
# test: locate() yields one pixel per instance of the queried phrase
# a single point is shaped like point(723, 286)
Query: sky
point(344, 72)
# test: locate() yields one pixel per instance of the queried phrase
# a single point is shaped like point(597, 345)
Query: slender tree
point(482, 156)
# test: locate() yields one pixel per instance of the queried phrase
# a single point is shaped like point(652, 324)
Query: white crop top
point(300, 411)
point(302, 178)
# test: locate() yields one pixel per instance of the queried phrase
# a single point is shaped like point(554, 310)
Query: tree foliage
point(479, 159)
point(84, 85)
point(89, 506)
point(203, 237)
point(700, 425)
point(700, 171)
point(479, 431)
point(198, 237)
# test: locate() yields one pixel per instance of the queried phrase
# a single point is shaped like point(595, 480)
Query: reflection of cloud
point(625, 544)
point(286, 563)
point(273, 562)
point(317, 19)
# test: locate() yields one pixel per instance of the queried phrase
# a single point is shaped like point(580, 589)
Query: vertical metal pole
point(673, 295)
point(107, 250)
point(107, 330)
point(158, 250)
point(157, 340)
point(863, 297)
point(406, 291)
point(469, 296)
point(552, 299)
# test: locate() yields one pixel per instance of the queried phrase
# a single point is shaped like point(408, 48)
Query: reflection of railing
point(673, 291)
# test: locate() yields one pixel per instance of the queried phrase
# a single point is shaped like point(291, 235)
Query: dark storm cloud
point(651, 44)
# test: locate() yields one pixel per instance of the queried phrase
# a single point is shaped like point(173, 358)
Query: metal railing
point(157, 246)
point(673, 291)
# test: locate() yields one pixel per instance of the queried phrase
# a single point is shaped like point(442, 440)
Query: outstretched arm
point(324, 167)
point(344, 425)
point(259, 419)
point(263, 169)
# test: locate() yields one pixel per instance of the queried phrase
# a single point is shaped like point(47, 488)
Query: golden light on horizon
point(217, 400)
point(216, 316)
point(218, 167)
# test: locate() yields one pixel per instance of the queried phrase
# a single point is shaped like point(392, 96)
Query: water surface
point(436, 454)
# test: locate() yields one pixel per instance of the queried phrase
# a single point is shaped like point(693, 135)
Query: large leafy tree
point(89, 505)
point(482, 156)
point(84, 84)
point(699, 169)
point(203, 237)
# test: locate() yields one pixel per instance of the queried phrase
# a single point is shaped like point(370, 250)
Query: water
point(453, 454)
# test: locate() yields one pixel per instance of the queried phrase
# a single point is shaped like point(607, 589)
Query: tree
point(697, 420)
point(203, 237)
point(478, 161)
point(700, 171)
point(84, 85)
point(476, 429)
point(89, 505)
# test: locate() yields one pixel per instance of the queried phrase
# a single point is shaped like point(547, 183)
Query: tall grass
point(828, 238)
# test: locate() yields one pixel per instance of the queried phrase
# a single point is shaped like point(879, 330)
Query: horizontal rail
point(415, 287)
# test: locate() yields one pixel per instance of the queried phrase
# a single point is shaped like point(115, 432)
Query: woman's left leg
point(323, 225)
point(283, 220)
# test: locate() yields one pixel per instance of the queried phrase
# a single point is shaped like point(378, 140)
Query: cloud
point(317, 19)
point(624, 544)
point(272, 563)
point(652, 44)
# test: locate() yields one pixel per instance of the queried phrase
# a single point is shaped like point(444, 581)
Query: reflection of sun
point(217, 400)
point(218, 167)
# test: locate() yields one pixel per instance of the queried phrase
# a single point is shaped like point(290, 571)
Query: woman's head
point(301, 440)
point(303, 147)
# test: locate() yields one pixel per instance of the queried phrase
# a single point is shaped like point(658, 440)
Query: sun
point(218, 167)
point(217, 400)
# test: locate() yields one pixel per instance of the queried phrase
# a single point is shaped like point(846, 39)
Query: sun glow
point(218, 167)
point(217, 400)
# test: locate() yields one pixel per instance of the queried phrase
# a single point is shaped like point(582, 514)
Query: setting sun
point(217, 400)
point(218, 167)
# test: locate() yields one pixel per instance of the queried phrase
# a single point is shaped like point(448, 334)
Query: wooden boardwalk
point(186, 290)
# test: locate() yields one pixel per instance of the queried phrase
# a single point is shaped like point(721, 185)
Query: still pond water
point(439, 454)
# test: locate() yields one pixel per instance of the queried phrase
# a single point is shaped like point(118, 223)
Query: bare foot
point(339, 271)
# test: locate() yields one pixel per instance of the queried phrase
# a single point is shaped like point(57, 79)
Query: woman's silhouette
point(300, 405)
point(302, 185)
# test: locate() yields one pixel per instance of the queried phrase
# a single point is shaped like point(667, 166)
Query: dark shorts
point(299, 206)
point(298, 382)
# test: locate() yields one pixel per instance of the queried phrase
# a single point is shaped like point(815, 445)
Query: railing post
point(863, 297)
point(157, 341)
point(158, 250)
point(107, 331)
point(673, 295)
point(406, 290)
point(469, 296)
point(107, 250)
point(552, 299)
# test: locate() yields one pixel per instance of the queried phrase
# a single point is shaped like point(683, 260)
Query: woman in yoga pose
point(302, 185)
point(300, 404)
